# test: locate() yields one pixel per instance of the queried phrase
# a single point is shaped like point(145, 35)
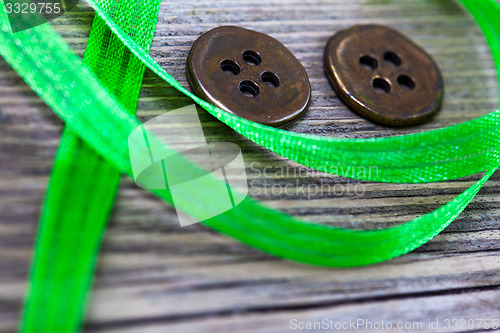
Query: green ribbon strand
point(79, 99)
point(98, 118)
point(83, 186)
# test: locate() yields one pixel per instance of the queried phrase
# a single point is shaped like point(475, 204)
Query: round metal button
point(248, 74)
point(383, 76)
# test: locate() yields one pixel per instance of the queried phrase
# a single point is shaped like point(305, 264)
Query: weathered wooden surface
point(154, 276)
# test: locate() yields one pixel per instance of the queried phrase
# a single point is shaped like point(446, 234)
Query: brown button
point(383, 76)
point(248, 74)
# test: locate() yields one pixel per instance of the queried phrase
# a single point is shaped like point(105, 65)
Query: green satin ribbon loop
point(78, 98)
point(104, 125)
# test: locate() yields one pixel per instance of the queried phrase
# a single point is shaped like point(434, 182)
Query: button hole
point(252, 58)
point(381, 85)
point(393, 58)
point(406, 82)
point(271, 79)
point(249, 89)
point(369, 62)
point(230, 67)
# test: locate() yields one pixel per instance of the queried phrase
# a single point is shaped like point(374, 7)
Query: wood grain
point(154, 276)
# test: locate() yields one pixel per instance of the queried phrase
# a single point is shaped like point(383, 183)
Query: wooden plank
point(154, 276)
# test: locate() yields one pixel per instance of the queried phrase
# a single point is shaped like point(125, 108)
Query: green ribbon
point(97, 117)
point(83, 186)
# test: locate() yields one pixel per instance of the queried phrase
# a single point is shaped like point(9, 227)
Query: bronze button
point(248, 74)
point(383, 76)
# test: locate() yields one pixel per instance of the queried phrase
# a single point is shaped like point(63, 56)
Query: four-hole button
point(248, 74)
point(383, 76)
